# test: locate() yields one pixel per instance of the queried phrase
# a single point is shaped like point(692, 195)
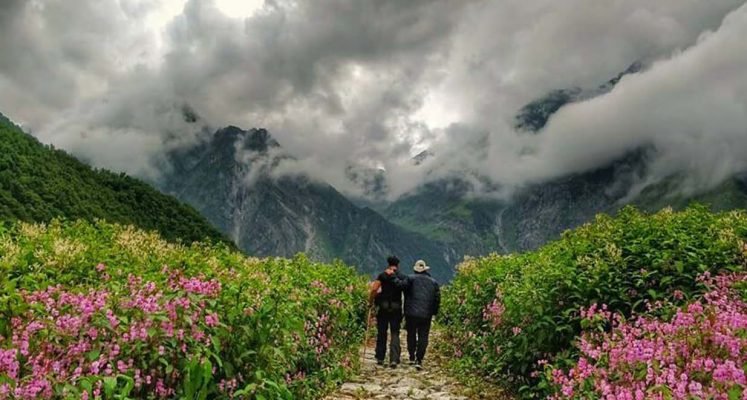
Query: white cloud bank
point(341, 83)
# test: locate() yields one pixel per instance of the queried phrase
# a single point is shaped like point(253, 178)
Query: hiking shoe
point(379, 362)
point(393, 365)
point(419, 365)
point(412, 361)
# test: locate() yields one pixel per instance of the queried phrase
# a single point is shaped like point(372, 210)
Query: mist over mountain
point(373, 84)
point(454, 210)
point(240, 181)
point(534, 116)
point(231, 179)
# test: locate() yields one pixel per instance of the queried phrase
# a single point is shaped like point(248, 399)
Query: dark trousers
point(418, 330)
point(388, 321)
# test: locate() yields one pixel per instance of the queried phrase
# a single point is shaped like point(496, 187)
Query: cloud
point(370, 84)
point(691, 107)
point(684, 105)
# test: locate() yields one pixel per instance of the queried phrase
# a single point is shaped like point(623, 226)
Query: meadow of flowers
point(698, 353)
point(624, 307)
point(107, 311)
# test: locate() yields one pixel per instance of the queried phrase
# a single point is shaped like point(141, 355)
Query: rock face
point(230, 179)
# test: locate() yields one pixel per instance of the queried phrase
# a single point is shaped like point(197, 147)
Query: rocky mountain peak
point(256, 139)
point(422, 156)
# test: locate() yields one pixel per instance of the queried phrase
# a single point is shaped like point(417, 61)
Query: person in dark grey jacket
point(422, 301)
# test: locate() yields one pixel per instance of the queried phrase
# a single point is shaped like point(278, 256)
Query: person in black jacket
point(422, 301)
point(386, 292)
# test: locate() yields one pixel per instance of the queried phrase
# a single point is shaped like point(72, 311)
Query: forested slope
point(38, 183)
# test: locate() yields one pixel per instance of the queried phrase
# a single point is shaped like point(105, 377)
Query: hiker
point(422, 301)
point(386, 292)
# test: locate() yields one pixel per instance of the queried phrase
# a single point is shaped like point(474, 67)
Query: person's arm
point(401, 281)
point(375, 286)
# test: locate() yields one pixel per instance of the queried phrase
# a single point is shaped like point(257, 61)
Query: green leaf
point(735, 393)
point(85, 383)
point(110, 383)
point(216, 344)
point(129, 385)
point(94, 354)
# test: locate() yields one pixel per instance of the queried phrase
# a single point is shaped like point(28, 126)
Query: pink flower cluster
point(322, 286)
point(66, 337)
point(595, 312)
point(699, 353)
point(319, 335)
point(493, 313)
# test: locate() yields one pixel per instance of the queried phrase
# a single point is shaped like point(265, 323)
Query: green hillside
point(731, 194)
point(38, 183)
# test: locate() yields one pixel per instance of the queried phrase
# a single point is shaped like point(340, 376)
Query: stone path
point(404, 382)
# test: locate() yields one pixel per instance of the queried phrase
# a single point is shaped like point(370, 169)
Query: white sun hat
point(420, 266)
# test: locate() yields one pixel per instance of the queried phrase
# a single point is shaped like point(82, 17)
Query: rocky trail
point(404, 382)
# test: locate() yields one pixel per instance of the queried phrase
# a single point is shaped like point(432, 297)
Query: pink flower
point(493, 313)
point(211, 319)
point(696, 354)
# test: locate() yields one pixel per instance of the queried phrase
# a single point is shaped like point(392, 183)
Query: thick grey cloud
point(370, 83)
point(58, 53)
point(692, 108)
point(580, 43)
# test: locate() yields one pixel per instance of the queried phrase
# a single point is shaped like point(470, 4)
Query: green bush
point(504, 313)
point(251, 328)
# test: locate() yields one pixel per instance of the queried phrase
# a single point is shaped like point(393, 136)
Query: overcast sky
point(342, 82)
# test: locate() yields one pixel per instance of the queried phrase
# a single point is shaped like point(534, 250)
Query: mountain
point(530, 218)
point(230, 178)
point(444, 210)
point(238, 180)
point(39, 183)
point(440, 210)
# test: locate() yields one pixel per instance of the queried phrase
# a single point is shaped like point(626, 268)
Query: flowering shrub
point(699, 353)
point(92, 339)
point(509, 314)
point(105, 311)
